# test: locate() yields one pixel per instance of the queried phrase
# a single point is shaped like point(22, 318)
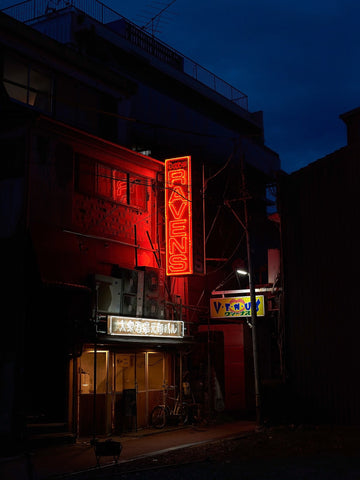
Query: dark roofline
point(351, 113)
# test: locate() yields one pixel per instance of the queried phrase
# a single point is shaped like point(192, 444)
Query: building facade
point(93, 108)
point(319, 214)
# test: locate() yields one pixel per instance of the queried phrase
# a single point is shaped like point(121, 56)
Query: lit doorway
point(128, 386)
point(94, 393)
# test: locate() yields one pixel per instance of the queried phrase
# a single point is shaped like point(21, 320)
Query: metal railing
point(30, 11)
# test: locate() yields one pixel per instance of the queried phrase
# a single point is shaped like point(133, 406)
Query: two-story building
point(109, 272)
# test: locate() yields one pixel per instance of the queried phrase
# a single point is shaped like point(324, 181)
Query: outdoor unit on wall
point(109, 292)
point(130, 280)
point(153, 295)
point(131, 293)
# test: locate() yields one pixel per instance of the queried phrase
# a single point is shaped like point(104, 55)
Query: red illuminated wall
point(178, 216)
point(92, 207)
point(234, 364)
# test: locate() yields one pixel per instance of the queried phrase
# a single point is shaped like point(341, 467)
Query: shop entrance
point(94, 403)
point(128, 386)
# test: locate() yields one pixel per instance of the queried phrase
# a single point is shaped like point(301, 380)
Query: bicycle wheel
point(196, 413)
point(183, 414)
point(158, 416)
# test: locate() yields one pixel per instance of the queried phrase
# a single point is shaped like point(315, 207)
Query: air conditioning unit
point(153, 295)
point(109, 294)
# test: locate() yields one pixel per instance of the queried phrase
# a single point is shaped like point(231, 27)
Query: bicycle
point(163, 414)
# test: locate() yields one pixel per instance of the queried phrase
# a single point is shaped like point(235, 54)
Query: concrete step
point(52, 433)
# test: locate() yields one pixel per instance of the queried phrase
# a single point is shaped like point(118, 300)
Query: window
point(87, 372)
point(27, 84)
point(121, 194)
point(95, 178)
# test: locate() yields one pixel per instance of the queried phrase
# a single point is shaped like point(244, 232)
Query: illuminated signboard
point(178, 216)
point(145, 327)
point(235, 307)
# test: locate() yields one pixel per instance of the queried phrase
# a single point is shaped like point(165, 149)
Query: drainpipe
point(95, 364)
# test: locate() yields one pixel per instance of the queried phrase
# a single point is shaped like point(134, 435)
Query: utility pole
point(253, 325)
point(245, 225)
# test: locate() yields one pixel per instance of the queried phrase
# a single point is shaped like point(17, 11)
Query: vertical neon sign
point(178, 216)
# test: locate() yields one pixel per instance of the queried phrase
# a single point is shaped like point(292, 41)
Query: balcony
point(31, 11)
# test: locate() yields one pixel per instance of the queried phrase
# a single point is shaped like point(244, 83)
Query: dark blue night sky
point(296, 60)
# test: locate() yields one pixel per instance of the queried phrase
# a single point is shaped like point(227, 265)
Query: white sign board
point(145, 327)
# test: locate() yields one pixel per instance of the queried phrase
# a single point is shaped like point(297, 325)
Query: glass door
point(124, 393)
point(134, 384)
point(141, 384)
point(139, 380)
point(94, 397)
point(157, 378)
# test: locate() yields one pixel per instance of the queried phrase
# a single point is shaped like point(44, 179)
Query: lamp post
point(245, 225)
point(253, 331)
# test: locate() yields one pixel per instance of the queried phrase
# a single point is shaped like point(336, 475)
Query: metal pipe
point(253, 306)
point(254, 333)
point(95, 362)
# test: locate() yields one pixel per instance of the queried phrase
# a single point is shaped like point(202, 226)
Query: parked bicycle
point(171, 410)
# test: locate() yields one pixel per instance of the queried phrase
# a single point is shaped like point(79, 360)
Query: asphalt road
point(310, 468)
point(286, 453)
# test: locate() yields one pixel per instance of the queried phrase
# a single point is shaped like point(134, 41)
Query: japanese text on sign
point(145, 327)
point(235, 307)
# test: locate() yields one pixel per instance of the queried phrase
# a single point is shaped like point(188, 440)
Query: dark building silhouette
point(320, 263)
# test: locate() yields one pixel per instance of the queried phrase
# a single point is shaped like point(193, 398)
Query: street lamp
point(254, 335)
point(241, 271)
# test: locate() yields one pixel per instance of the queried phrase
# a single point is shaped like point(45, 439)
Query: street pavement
point(284, 452)
point(220, 450)
point(56, 461)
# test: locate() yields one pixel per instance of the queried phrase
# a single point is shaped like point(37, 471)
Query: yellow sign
point(236, 307)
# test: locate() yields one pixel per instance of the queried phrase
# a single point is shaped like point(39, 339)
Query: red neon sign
point(178, 216)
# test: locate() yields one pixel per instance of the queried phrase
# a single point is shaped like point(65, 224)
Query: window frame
point(30, 69)
point(93, 186)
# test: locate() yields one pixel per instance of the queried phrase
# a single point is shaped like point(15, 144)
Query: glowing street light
point(242, 272)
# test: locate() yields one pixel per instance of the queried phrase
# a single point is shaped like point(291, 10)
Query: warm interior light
point(242, 272)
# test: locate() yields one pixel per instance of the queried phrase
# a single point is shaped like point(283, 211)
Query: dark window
point(27, 84)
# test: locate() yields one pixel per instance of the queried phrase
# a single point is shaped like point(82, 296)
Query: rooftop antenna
point(154, 21)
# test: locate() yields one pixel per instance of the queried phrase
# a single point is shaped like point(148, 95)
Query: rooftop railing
point(30, 11)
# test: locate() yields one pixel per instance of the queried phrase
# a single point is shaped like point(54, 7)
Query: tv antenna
point(154, 21)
